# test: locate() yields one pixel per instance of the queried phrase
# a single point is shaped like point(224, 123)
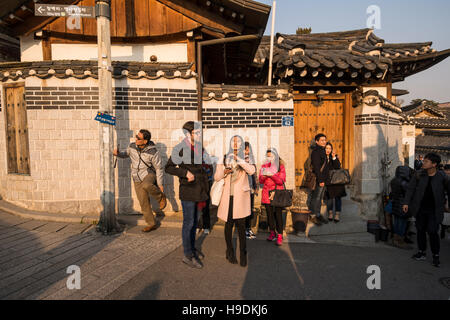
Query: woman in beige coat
point(234, 204)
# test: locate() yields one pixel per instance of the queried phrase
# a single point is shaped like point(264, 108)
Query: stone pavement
point(35, 255)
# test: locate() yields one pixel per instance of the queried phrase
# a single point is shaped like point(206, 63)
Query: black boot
point(243, 260)
point(231, 256)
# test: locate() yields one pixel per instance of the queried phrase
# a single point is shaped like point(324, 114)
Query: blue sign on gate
point(288, 121)
point(105, 118)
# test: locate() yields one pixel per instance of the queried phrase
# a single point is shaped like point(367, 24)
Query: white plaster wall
point(30, 49)
point(174, 52)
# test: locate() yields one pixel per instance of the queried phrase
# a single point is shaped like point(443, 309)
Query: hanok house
point(50, 158)
point(432, 128)
point(338, 83)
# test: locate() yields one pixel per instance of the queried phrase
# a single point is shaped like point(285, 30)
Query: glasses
point(137, 138)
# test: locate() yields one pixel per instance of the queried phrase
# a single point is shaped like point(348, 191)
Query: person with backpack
point(273, 176)
point(333, 193)
point(399, 186)
point(234, 204)
point(147, 173)
point(425, 200)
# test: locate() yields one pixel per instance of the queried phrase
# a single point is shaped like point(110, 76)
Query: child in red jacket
point(273, 175)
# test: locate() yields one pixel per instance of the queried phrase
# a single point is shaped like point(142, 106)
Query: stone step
point(343, 227)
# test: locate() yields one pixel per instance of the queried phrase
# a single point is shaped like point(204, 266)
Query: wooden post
point(108, 222)
point(274, 9)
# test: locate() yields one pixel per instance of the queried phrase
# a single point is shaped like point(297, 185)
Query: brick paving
point(35, 255)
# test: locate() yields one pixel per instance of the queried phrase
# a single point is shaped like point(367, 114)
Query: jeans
point(240, 226)
point(330, 204)
point(426, 223)
point(400, 225)
point(316, 199)
point(190, 220)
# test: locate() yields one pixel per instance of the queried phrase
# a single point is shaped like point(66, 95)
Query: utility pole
point(108, 222)
point(272, 35)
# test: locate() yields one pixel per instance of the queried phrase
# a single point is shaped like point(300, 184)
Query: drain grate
point(445, 282)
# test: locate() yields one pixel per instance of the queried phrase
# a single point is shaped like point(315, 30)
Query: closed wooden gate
point(331, 116)
point(16, 130)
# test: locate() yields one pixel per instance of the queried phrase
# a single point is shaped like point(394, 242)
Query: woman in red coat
point(273, 175)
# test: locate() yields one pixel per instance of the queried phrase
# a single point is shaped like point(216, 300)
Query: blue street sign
point(288, 121)
point(105, 118)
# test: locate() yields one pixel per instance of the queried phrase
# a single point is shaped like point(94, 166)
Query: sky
point(400, 21)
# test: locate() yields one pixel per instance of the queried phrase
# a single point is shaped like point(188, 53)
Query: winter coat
point(144, 161)
point(178, 165)
point(318, 158)
point(416, 190)
point(337, 190)
point(241, 194)
point(271, 182)
point(399, 186)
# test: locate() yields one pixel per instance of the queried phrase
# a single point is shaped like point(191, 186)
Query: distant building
point(432, 125)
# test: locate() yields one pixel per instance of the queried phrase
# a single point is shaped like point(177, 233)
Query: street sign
point(60, 10)
point(288, 121)
point(105, 118)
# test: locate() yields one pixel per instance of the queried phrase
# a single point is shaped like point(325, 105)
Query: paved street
point(294, 271)
point(34, 257)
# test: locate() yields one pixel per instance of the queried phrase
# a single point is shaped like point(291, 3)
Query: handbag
point(282, 198)
point(339, 176)
point(216, 192)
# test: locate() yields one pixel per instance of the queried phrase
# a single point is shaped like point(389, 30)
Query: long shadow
point(35, 255)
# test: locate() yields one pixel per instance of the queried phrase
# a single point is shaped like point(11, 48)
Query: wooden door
point(17, 130)
point(311, 118)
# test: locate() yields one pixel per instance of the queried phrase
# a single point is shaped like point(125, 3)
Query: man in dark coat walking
point(425, 200)
point(187, 163)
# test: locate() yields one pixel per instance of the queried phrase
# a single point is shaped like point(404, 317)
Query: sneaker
point(272, 236)
point(419, 256)
point(250, 235)
point(436, 261)
point(279, 240)
point(192, 262)
point(206, 231)
point(199, 255)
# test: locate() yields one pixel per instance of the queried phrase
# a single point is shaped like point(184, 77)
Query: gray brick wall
point(124, 98)
point(244, 117)
point(375, 118)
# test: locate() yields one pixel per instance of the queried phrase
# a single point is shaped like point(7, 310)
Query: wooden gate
point(331, 116)
point(16, 130)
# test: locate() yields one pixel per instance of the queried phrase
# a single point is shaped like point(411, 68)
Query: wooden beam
point(191, 53)
point(203, 16)
point(46, 49)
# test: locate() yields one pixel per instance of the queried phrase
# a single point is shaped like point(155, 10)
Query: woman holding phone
point(234, 204)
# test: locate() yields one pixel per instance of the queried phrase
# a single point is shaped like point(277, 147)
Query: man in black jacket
point(320, 169)
point(425, 200)
point(186, 162)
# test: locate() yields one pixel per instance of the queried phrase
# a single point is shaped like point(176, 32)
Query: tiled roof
point(441, 114)
point(356, 53)
point(89, 69)
point(437, 140)
point(245, 93)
